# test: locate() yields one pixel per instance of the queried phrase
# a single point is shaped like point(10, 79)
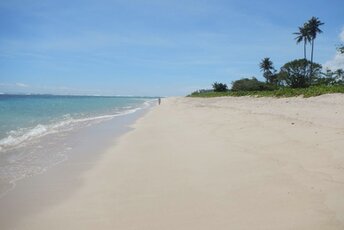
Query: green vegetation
point(312, 27)
point(252, 84)
point(220, 87)
point(268, 70)
point(281, 92)
point(297, 73)
point(295, 78)
point(303, 35)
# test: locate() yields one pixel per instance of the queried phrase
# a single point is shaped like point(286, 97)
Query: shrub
point(253, 84)
point(281, 92)
point(220, 87)
point(297, 73)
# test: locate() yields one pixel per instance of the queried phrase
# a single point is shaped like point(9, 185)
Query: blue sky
point(153, 47)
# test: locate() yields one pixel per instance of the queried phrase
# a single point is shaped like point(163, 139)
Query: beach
point(212, 163)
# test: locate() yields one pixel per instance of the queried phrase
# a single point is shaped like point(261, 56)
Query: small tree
point(252, 84)
point(339, 74)
point(281, 78)
point(297, 73)
point(220, 87)
point(326, 78)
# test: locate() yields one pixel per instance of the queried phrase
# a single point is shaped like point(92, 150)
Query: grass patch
point(282, 92)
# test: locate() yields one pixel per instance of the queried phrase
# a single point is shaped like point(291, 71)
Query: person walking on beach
point(159, 100)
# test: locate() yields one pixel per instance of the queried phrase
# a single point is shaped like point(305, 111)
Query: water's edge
point(35, 194)
point(51, 147)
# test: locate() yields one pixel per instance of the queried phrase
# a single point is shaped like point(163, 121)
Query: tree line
point(298, 73)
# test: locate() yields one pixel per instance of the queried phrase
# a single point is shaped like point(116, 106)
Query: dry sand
point(221, 163)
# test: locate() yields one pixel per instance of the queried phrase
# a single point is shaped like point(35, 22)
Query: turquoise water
point(23, 118)
point(38, 132)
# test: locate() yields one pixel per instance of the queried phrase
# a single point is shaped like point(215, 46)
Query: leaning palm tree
point(304, 36)
point(313, 29)
point(268, 69)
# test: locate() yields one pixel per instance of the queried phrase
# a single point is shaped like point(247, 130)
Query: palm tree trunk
point(312, 50)
point(305, 57)
point(311, 70)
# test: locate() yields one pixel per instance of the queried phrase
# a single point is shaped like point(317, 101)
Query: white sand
point(222, 163)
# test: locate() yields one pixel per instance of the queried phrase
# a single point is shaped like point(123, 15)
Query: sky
point(154, 47)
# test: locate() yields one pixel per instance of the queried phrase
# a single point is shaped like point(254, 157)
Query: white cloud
point(14, 85)
point(337, 62)
point(22, 85)
point(342, 35)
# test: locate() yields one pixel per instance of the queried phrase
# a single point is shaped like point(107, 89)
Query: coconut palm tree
point(304, 36)
point(268, 69)
point(313, 29)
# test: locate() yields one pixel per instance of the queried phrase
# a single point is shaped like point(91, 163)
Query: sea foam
point(35, 131)
point(19, 137)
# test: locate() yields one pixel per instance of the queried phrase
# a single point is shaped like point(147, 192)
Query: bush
point(253, 84)
point(220, 87)
point(282, 92)
point(297, 73)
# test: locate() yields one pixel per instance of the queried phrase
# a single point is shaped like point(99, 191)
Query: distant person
point(159, 101)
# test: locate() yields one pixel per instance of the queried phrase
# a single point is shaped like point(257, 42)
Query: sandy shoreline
point(37, 193)
point(220, 163)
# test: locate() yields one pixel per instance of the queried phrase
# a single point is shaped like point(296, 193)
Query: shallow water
point(36, 131)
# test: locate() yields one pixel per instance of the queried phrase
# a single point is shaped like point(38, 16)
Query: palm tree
point(313, 29)
point(304, 36)
point(268, 69)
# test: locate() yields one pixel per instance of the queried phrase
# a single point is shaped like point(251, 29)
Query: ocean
point(34, 129)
